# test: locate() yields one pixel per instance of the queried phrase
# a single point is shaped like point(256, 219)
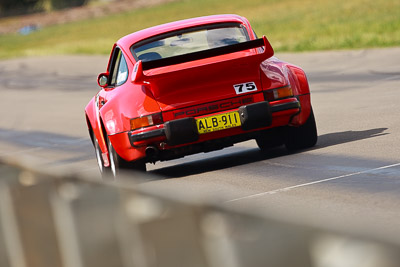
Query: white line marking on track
point(311, 183)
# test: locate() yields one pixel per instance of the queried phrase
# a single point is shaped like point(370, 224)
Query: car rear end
point(212, 98)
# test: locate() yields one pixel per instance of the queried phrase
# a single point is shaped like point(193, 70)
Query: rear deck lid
point(204, 77)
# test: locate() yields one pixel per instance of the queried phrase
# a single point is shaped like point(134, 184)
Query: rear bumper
point(182, 131)
point(285, 106)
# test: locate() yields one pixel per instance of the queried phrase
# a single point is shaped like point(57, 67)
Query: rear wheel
point(105, 171)
point(117, 163)
point(270, 139)
point(302, 137)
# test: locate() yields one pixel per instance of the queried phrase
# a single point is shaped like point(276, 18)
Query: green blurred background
point(290, 25)
point(20, 7)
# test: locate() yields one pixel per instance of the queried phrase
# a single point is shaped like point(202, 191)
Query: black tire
point(302, 137)
point(270, 139)
point(105, 171)
point(117, 163)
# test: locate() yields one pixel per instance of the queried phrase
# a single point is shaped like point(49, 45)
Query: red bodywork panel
point(196, 82)
point(195, 89)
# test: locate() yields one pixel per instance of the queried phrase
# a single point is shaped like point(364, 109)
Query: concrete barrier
point(69, 221)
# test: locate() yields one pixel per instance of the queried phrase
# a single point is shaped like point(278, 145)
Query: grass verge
point(290, 25)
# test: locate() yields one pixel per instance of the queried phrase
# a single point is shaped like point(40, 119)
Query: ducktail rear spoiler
point(208, 53)
point(138, 75)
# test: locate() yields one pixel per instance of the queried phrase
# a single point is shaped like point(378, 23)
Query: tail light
point(146, 121)
point(278, 93)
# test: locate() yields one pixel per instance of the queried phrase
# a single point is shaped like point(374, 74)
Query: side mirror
point(102, 80)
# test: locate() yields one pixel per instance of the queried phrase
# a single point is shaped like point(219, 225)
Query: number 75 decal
point(245, 87)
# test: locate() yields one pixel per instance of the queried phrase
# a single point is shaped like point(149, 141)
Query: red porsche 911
point(193, 86)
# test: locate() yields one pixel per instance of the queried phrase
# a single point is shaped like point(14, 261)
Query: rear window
point(189, 41)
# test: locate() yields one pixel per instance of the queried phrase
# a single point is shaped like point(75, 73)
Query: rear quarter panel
point(276, 73)
point(298, 80)
point(124, 103)
point(94, 125)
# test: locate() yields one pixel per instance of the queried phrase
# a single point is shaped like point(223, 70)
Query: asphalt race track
point(351, 177)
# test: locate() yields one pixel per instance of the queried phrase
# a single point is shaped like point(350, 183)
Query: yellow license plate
point(218, 122)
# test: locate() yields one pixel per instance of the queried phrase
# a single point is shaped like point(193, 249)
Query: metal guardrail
point(69, 221)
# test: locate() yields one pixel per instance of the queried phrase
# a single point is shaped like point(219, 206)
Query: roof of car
point(132, 38)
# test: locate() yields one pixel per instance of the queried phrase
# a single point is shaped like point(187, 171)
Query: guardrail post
point(162, 232)
point(12, 255)
point(26, 220)
point(86, 218)
point(241, 240)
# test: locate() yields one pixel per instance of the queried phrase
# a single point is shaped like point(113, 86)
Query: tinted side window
point(122, 75)
point(119, 69)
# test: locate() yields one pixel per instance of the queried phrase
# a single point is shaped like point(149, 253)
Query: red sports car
point(193, 86)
